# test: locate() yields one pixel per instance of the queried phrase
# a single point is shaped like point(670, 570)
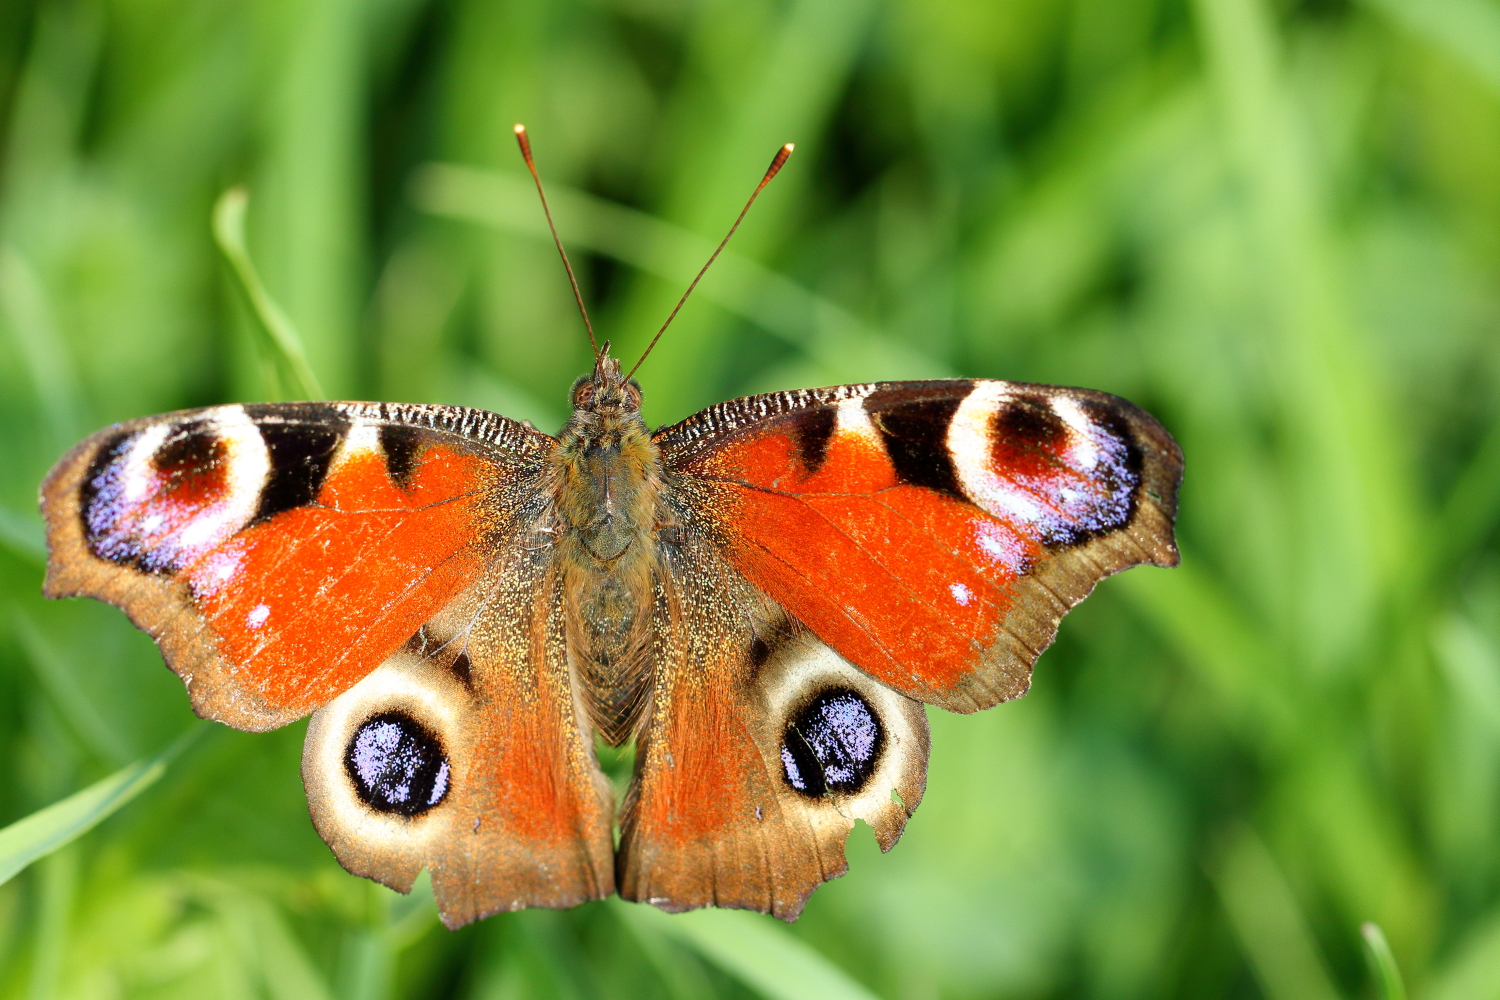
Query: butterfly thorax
point(607, 503)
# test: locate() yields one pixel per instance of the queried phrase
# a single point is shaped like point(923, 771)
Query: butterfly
point(762, 598)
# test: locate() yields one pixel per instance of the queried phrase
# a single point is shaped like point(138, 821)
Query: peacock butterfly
point(762, 597)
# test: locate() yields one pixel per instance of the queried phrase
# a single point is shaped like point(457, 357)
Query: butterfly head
point(607, 392)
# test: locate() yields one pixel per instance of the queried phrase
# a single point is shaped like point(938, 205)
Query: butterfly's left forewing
point(278, 552)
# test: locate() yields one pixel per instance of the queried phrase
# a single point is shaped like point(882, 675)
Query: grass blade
point(680, 970)
point(1473, 505)
point(1469, 30)
point(60, 679)
point(1269, 923)
point(1382, 963)
point(1353, 501)
point(24, 305)
point(1473, 968)
point(1225, 646)
point(762, 954)
point(23, 536)
point(61, 823)
point(788, 93)
point(57, 892)
point(229, 232)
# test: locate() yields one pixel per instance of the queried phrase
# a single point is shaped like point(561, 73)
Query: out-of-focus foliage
point(1275, 226)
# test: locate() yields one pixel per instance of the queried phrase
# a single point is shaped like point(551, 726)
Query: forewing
point(761, 748)
point(932, 533)
point(466, 753)
point(278, 553)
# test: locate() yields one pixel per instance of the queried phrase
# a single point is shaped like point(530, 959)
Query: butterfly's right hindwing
point(761, 748)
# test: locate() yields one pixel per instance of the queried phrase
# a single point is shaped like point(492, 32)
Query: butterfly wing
point(279, 552)
point(761, 748)
point(384, 561)
point(838, 557)
point(932, 533)
point(467, 753)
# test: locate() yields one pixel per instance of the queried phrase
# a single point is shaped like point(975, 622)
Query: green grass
point(1277, 226)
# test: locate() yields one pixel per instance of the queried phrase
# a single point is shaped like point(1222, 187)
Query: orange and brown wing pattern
point(466, 753)
point(760, 749)
point(278, 553)
point(932, 533)
point(386, 568)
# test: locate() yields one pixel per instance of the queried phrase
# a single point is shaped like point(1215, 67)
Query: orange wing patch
point(278, 553)
point(908, 584)
point(310, 601)
point(932, 533)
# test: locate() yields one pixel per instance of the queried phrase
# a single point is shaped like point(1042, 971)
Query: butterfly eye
point(397, 764)
point(583, 393)
point(832, 745)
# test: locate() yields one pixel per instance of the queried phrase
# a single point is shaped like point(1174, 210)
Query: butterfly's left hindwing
point(466, 753)
point(279, 552)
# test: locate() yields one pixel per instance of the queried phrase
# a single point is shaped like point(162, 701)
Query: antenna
point(525, 144)
point(776, 164)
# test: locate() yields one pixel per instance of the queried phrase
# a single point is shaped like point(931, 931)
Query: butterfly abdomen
point(608, 491)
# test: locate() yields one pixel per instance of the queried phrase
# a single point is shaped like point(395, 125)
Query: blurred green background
point(1275, 225)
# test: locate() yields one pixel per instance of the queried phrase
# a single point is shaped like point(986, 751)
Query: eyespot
point(397, 764)
point(832, 744)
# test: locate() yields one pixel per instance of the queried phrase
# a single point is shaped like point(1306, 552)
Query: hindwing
point(467, 753)
point(760, 749)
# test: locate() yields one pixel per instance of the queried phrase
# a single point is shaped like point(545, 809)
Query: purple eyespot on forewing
point(1065, 469)
point(158, 498)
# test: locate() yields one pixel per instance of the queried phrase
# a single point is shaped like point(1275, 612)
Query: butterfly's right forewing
point(934, 533)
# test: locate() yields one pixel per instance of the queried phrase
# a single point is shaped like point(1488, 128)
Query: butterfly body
point(609, 507)
point(762, 597)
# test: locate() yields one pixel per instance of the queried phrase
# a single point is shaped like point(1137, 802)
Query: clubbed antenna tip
point(771, 171)
point(524, 141)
